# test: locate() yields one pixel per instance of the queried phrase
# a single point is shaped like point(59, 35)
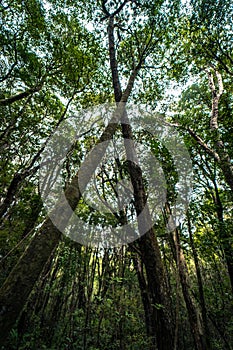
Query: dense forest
point(116, 141)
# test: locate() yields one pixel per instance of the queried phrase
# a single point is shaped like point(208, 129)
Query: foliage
point(54, 60)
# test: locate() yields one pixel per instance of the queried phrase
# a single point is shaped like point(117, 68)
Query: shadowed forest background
point(166, 290)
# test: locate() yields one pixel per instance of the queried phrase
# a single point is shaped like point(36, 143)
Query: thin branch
point(120, 8)
point(203, 144)
point(197, 138)
point(116, 12)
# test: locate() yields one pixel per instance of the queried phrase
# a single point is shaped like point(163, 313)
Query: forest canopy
point(118, 114)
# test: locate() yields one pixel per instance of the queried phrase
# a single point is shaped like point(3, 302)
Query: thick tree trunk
point(17, 287)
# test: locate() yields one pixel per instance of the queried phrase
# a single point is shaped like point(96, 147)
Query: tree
point(49, 72)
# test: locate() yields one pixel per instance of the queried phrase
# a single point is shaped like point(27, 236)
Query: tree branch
point(203, 144)
point(116, 12)
point(113, 61)
point(20, 96)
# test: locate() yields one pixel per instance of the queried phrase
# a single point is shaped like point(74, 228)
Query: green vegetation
point(168, 289)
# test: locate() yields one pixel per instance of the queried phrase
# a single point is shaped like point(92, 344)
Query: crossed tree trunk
point(17, 287)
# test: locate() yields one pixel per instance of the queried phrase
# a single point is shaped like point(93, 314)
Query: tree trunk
point(194, 318)
point(224, 234)
point(16, 289)
point(161, 325)
point(200, 287)
point(151, 256)
point(197, 330)
point(146, 300)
